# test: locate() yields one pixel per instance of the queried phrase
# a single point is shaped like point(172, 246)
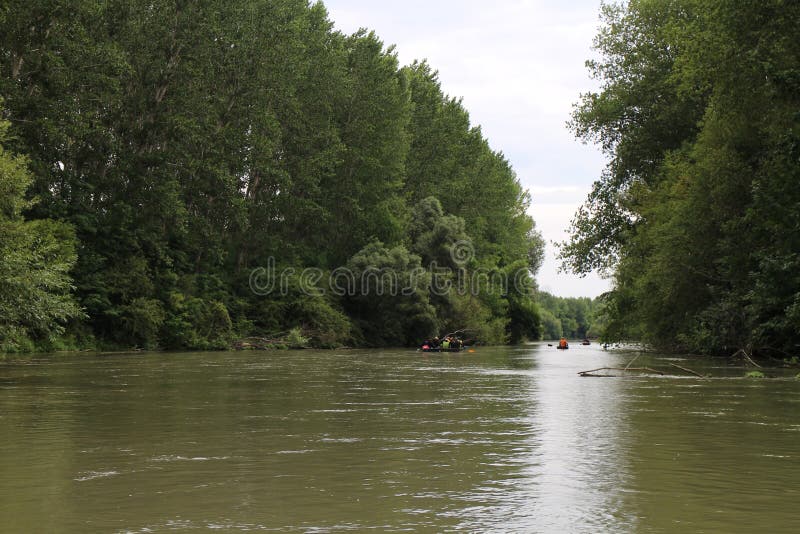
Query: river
point(502, 439)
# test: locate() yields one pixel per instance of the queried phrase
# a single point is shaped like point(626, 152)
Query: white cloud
point(542, 190)
point(553, 221)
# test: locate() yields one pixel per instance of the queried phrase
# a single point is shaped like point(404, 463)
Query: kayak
point(440, 349)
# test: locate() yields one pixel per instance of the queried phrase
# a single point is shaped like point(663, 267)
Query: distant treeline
point(155, 154)
point(573, 318)
point(698, 212)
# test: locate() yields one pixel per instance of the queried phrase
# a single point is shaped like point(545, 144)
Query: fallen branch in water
point(631, 362)
point(695, 373)
point(746, 357)
point(640, 369)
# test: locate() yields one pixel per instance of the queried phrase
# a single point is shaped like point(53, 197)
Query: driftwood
point(639, 369)
point(631, 362)
point(695, 373)
point(746, 357)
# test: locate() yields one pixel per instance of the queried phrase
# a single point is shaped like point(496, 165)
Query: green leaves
point(189, 142)
point(35, 260)
point(696, 214)
point(389, 297)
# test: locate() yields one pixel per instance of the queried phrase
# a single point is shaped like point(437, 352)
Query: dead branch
point(686, 370)
point(746, 357)
point(639, 369)
point(633, 360)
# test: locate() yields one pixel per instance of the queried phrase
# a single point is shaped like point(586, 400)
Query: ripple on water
point(92, 475)
point(179, 458)
point(320, 442)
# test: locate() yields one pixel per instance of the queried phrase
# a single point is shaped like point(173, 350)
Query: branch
point(640, 369)
point(686, 370)
point(746, 357)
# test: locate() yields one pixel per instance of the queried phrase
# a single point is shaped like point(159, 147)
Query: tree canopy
point(697, 212)
point(174, 147)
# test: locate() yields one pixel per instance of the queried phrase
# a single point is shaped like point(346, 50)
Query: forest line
point(159, 152)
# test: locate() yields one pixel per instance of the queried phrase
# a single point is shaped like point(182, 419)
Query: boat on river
point(452, 342)
point(442, 349)
point(563, 344)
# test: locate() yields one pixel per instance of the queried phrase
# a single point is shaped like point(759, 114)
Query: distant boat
point(440, 349)
point(563, 344)
point(586, 342)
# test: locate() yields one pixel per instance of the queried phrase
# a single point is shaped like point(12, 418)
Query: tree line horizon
point(154, 154)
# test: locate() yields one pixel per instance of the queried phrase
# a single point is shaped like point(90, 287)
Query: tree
point(694, 213)
point(388, 296)
point(363, 196)
point(188, 143)
point(35, 260)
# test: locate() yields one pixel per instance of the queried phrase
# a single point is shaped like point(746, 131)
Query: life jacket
point(562, 343)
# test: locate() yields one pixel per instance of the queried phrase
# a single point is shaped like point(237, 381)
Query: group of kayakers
point(448, 342)
point(564, 344)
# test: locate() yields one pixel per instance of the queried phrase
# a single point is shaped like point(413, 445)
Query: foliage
point(389, 301)
point(697, 212)
point(35, 259)
point(182, 145)
point(196, 323)
point(574, 318)
point(295, 339)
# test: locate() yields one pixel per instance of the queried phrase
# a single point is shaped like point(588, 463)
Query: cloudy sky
point(519, 67)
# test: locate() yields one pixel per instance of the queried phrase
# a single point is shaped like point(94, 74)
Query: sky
point(519, 66)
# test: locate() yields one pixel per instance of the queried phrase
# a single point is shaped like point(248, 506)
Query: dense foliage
point(573, 318)
point(35, 259)
point(181, 145)
point(698, 212)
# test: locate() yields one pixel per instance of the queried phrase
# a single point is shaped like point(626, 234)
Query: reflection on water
point(580, 473)
point(505, 439)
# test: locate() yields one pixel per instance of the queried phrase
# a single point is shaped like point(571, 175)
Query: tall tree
point(188, 143)
point(35, 260)
point(698, 112)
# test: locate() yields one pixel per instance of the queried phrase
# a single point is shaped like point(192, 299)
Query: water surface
point(503, 439)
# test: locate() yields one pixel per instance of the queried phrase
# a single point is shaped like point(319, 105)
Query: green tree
point(35, 259)
point(698, 111)
point(188, 142)
point(388, 298)
point(363, 196)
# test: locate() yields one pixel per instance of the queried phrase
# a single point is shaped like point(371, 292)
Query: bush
point(196, 323)
point(142, 319)
point(295, 339)
point(326, 326)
